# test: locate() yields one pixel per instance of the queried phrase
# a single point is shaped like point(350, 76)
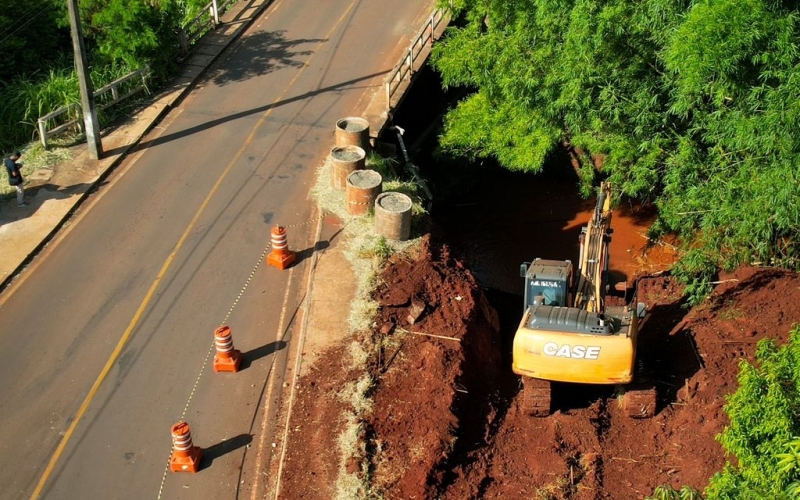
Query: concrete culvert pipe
point(363, 186)
point(352, 131)
point(393, 216)
point(344, 160)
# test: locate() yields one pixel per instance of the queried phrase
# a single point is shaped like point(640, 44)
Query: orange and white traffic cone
point(185, 456)
point(227, 358)
point(280, 256)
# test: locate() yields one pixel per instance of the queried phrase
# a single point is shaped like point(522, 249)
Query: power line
point(15, 19)
point(46, 7)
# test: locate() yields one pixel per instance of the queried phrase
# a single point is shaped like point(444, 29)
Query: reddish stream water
point(510, 218)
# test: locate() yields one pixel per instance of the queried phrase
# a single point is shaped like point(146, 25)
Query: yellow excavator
point(569, 334)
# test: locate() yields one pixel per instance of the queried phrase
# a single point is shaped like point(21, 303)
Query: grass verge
point(368, 253)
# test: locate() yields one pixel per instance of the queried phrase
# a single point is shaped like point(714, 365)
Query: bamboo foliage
point(694, 105)
point(763, 427)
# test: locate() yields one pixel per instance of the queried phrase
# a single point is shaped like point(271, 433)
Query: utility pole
point(87, 91)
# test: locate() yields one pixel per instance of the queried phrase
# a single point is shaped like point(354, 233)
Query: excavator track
point(639, 402)
point(536, 398)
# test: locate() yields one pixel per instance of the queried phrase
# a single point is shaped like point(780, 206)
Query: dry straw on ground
point(367, 252)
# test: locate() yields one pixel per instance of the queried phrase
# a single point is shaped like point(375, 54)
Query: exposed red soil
point(312, 455)
point(446, 422)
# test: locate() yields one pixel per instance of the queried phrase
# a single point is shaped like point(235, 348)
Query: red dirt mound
point(446, 423)
point(311, 465)
point(434, 393)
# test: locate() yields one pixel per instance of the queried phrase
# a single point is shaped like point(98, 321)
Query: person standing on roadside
point(15, 176)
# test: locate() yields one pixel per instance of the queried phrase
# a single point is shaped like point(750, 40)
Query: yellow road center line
point(148, 297)
point(136, 317)
point(146, 301)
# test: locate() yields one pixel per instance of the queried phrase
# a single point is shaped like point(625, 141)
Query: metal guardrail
point(43, 122)
point(105, 96)
point(115, 86)
point(206, 20)
point(405, 68)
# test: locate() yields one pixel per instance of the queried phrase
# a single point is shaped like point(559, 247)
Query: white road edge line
point(299, 355)
point(268, 397)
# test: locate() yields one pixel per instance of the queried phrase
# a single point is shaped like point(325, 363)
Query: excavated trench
point(494, 220)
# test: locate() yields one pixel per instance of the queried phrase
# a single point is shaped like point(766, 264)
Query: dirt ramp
point(433, 397)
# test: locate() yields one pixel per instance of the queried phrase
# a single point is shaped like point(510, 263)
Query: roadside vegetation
point(763, 438)
point(37, 73)
point(690, 105)
point(367, 252)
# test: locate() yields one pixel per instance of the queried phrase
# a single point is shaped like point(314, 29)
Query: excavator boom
point(593, 261)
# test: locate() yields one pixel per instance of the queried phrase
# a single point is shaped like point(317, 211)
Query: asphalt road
point(164, 253)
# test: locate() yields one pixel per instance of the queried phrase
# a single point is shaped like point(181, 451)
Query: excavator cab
point(547, 282)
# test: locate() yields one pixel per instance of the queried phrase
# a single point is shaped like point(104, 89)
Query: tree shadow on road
point(262, 53)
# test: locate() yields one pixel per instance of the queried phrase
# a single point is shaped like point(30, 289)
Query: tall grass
point(32, 96)
point(113, 34)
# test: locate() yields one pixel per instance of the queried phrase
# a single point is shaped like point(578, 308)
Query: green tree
point(134, 33)
point(690, 104)
point(37, 68)
point(31, 36)
point(734, 176)
point(552, 71)
point(764, 422)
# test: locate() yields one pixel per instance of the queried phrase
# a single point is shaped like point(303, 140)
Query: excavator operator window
point(550, 296)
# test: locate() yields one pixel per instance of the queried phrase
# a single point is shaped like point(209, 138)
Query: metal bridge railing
point(405, 68)
point(206, 20)
point(69, 117)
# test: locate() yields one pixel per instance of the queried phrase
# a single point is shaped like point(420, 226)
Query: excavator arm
point(593, 260)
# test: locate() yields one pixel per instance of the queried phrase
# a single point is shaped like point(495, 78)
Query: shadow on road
point(217, 450)
point(255, 111)
point(260, 352)
point(260, 54)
